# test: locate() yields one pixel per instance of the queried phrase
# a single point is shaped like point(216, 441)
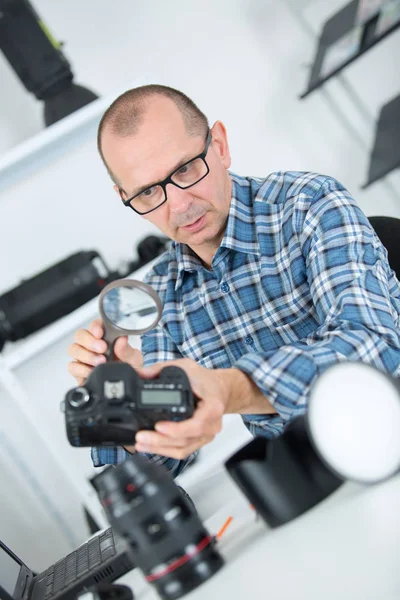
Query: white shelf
point(55, 140)
point(16, 353)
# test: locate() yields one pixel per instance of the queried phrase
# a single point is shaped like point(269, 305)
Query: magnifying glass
point(127, 307)
point(354, 422)
point(114, 402)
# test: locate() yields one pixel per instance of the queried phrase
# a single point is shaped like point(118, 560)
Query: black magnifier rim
point(342, 476)
point(131, 284)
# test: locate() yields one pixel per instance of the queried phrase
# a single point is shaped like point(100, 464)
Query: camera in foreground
point(168, 541)
point(115, 403)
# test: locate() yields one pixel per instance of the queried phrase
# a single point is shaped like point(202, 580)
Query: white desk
point(346, 548)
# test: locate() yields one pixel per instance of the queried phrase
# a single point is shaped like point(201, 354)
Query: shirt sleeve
point(156, 346)
point(106, 455)
point(356, 297)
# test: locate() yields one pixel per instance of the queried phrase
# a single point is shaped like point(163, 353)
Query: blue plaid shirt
point(299, 282)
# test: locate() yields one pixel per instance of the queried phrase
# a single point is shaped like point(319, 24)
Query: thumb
point(125, 353)
point(151, 371)
point(155, 369)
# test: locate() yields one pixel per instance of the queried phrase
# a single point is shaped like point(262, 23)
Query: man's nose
point(179, 200)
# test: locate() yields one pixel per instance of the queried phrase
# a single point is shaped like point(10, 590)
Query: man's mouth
point(196, 225)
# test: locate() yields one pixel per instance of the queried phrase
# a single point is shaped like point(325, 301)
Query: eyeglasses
point(184, 177)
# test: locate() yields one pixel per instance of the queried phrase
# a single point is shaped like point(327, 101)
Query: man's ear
point(220, 143)
point(117, 189)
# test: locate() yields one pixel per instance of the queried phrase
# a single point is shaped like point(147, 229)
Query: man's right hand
point(88, 351)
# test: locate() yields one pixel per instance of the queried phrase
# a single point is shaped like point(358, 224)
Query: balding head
point(153, 134)
point(128, 113)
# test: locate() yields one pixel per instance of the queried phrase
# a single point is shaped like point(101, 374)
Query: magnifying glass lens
point(128, 307)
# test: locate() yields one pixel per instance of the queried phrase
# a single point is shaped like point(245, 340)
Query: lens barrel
point(168, 541)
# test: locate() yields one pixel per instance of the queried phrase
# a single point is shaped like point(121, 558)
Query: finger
point(84, 356)
point(190, 428)
point(84, 338)
point(154, 370)
point(204, 419)
point(152, 439)
point(175, 452)
point(96, 328)
point(125, 353)
point(80, 371)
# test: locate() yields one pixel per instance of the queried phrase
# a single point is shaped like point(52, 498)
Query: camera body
point(115, 403)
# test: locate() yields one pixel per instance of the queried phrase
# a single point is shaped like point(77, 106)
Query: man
point(267, 282)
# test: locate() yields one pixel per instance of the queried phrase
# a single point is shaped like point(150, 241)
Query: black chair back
point(388, 231)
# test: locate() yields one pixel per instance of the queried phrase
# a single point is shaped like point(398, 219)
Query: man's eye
point(183, 170)
point(148, 193)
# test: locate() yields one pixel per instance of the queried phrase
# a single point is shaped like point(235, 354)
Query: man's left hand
point(179, 440)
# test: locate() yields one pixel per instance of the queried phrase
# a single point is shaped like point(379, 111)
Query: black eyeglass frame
point(168, 180)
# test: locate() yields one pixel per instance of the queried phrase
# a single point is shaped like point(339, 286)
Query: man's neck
point(206, 255)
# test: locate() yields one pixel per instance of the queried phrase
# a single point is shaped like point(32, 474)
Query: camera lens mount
point(78, 397)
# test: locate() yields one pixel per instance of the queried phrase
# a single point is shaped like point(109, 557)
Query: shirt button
point(249, 340)
point(225, 288)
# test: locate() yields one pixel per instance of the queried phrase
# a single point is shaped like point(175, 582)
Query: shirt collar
point(240, 234)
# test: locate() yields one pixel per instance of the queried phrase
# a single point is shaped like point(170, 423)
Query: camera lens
point(78, 397)
point(5, 329)
point(168, 541)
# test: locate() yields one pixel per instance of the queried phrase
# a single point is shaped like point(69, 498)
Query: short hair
point(125, 115)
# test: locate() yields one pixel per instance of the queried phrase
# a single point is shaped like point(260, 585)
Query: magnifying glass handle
point(109, 353)
point(110, 340)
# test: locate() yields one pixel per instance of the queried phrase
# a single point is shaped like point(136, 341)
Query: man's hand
point(88, 351)
point(178, 440)
point(218, 391)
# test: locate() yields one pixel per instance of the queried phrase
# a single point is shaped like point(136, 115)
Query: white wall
point(40, 518)
point(242, 61)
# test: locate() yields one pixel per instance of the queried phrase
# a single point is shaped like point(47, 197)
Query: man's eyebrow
point(149, 185)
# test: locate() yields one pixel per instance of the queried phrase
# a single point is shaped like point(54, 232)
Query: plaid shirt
point(299, 282)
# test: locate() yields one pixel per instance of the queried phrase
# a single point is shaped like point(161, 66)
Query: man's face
point(195, 216)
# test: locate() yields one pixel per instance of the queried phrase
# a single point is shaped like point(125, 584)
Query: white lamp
point(354, 421)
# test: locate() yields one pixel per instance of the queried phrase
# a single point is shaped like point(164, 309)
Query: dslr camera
point(115, 403)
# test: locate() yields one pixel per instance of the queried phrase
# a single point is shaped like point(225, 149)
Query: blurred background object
point(37, 59)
